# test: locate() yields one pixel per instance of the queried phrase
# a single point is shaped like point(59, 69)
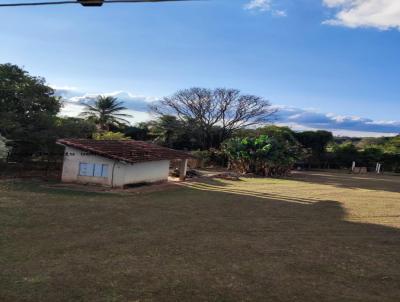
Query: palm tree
point(105, 112)
point(166, 130)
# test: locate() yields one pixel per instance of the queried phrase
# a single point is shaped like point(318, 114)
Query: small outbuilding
point(117, 163)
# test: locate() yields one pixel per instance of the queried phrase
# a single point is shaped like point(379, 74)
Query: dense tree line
point(365, 152)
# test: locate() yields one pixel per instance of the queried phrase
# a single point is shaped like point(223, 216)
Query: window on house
point(95, 170)
point(85, 169)
point(104, 171)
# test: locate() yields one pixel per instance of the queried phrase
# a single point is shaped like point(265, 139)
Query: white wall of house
point(118, 174)
point(72, 159)
point(152, 171)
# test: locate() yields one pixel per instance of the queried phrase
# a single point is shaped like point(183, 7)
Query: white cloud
point(303, 119)
point(381, 14)
point(339, 132)
point(259, 5)
point(264, 6)
point(280, 13)
point(74, 100)
point(131, 101)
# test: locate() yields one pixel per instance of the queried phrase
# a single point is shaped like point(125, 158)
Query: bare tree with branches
point(225, 108)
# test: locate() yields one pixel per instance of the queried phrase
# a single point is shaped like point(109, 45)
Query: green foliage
point(277, 131)
point(367, 152)
point(369, 141)
point(392, 146)
point(316, 143)
point(212, 157)
point(71, 127)
point(108, 135)
point(386, 152)
point(284, 135)
point(139, 132)
point(106, 112)
point(345, 154)
point(372, 154)
point(262, 154)
point(28, 115)
point(28, 111)
point(166, 130)
point(174, 133)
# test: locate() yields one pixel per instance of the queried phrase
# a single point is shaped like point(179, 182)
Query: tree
point(345, 154)
point(28, 109)
point(105, 112)
point(171, 132)
point(366, 152)
point(166, 130)
point(316, 142)
point(263, 155)
point(139, 132)
point(226, 108)
point(393, 145)
point(72, 127)
point(367, 142)
point(391, 156)
point(371, 155)
point(284, 134)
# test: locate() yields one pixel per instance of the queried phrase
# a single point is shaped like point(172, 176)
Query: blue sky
point(331, 64)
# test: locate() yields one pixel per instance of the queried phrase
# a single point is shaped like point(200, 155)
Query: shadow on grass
point(205, 242)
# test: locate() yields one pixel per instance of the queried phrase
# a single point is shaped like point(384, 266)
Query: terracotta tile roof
point(125, 150)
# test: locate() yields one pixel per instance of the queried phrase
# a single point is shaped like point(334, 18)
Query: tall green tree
point(166, 130)
point(106, 112)
point(28, 109)
point(316, 142)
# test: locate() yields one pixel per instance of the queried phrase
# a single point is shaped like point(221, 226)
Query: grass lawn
point(313, 237)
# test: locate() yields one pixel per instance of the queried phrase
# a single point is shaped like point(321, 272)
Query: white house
point(117, 163)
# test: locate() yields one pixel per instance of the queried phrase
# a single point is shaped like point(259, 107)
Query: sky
point(325, 64)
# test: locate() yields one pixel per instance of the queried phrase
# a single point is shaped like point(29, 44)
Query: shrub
point(262, 155)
